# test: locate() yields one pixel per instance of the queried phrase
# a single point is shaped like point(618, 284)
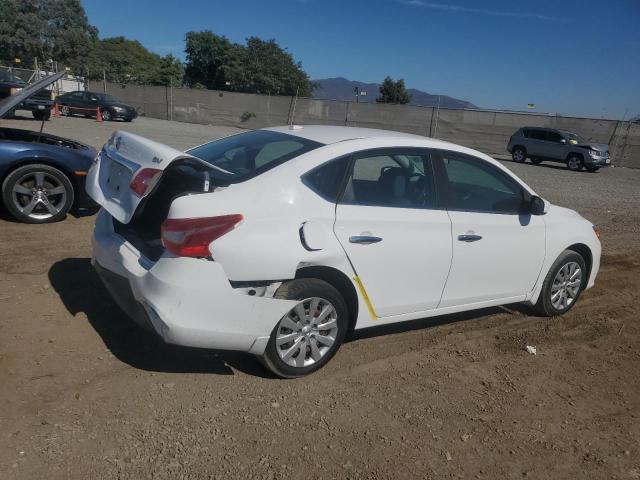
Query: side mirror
point(563, 141)
point(536, 205)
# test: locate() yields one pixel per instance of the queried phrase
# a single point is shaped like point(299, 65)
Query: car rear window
point(246, 155)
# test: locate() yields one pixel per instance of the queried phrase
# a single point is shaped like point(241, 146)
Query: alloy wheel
point(574, 163)
point(64, 110)
point(566, 286)
point(307, 332)
point(518, 155)
point(39, 195)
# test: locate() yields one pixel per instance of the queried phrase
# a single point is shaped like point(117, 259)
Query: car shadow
point(553, 166)
point(81, 291)
point(421, 323)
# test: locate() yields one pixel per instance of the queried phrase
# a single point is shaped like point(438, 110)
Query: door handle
point(469, 237)
point(364, 239)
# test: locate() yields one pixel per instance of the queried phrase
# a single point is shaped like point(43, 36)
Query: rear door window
point(538, 134)
point(398, 178)
point(327, 179)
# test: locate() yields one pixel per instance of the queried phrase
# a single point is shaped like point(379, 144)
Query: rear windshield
point(249, 154)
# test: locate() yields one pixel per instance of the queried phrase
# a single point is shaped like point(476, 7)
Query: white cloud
point(481, 11)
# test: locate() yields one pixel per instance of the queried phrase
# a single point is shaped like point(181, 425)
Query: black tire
point(519, 154)
point(41, 114)
point(302, 289)
point(545, 306)
point(592, 169)
point(575, 163)
point(27, 176)
point(128, 119)
point(536, 161)
point(65, 110)
point(107, 116)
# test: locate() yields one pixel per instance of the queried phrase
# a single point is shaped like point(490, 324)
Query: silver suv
point(548, 144)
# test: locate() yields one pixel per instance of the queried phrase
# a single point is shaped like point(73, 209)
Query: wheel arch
point(575, 154)
point(585, 252)
point(340, 281)
point(23, 162)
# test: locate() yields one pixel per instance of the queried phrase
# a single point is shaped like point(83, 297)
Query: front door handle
point(364, 239)
point(469, 237)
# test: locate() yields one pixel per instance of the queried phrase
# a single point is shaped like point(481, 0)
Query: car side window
point(554, 137)
point(327, 179)
point(391, 178)
point(537, 134)
point(474, 185)
point(76, 94)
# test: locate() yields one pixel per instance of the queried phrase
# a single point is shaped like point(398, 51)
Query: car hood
point(601, 147)
point(9, 103)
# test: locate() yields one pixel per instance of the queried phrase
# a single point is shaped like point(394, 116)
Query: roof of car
point(328, 134)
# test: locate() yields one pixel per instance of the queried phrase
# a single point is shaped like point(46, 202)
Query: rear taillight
point(144, 181)
point(191, 237)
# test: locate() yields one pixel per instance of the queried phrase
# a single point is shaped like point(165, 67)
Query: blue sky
point(573, 57)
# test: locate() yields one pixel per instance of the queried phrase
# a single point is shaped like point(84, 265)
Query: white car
point(280, 241)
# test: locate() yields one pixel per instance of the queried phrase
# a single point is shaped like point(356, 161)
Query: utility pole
point(104, 81)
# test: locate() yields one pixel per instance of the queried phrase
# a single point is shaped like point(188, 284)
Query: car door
point(498, 250)
point(556, 148)
point(537, 142)
point(393, 231)
point(74, 101)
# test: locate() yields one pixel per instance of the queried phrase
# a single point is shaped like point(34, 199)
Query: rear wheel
point(519, 154)
point(310, 334)
point(37, 194)
point(574, 162)
point(563, 284)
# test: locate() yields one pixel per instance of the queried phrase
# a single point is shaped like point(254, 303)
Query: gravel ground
point(85, 394)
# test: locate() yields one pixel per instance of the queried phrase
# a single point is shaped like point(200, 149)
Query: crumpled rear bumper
point(186, 301)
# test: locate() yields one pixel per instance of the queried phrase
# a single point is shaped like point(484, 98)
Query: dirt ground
point(85, 394)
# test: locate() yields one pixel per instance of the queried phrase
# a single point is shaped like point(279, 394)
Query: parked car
point(548, 144)
point(86, 103)
point(38, 104)
point(280, 241)
point(42, 176)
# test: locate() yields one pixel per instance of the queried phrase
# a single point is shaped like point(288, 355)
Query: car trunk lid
point(123, 158)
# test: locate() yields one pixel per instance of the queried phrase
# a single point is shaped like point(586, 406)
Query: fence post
point(346, 116)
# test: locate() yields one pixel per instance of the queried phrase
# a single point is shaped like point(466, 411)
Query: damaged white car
point(278, 242)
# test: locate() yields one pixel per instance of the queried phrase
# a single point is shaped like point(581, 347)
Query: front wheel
point(310, 334)
point(574, 163)
point(106, 115)
point(37, 194)
point(563, 284)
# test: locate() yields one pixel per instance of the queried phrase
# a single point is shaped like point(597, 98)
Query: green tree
point(45, 29)
point(206, 55)
point(260, 66)
point(393, 92)
point(170, 72)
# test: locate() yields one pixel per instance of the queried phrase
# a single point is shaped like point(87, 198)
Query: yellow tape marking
point(367, 301)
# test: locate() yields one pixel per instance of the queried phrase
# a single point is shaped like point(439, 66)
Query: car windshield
point(573, 138)
point(246, 155)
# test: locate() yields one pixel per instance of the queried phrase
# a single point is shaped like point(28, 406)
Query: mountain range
point(340, 88)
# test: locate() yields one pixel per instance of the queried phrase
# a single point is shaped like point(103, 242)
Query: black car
point(39, 104)
point(86, 103)
point(42, 176)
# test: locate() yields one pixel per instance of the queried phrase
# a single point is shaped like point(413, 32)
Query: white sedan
point(280, 241)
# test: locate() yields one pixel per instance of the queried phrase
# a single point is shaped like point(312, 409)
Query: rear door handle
point(364, 239)
point(468, 237)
